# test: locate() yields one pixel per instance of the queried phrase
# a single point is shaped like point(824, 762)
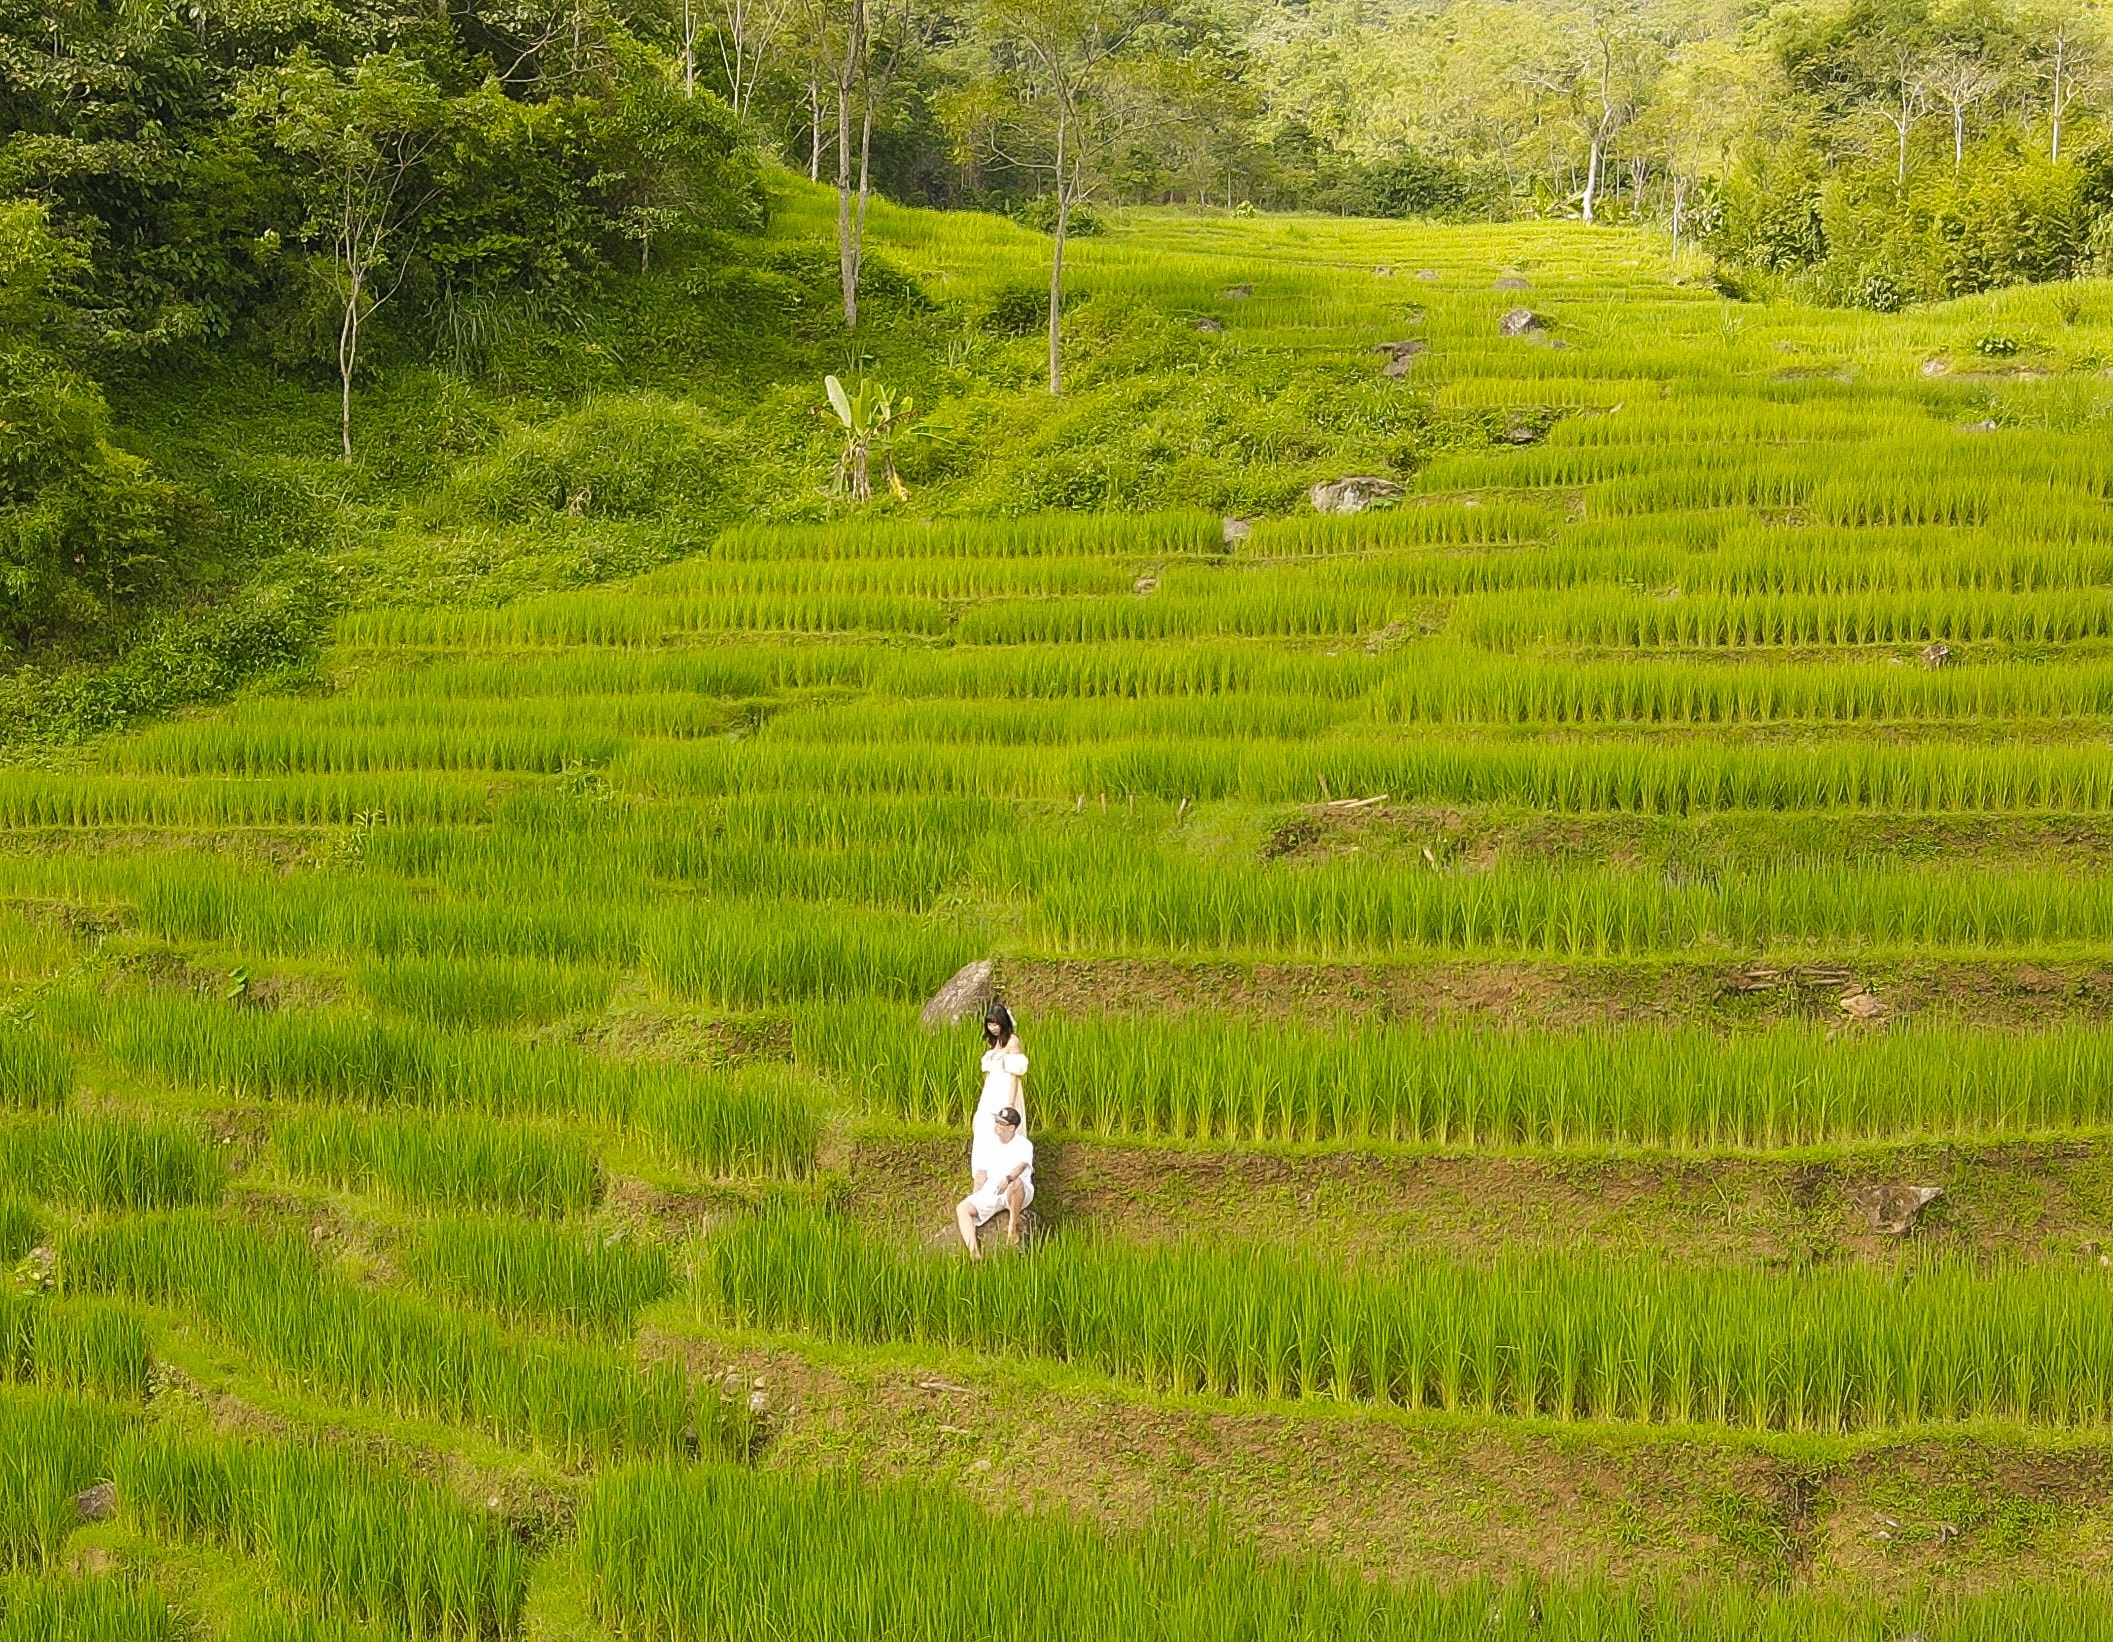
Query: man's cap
point(1008, 1117)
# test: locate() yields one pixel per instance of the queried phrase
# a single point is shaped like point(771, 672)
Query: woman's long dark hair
point(1000, 1018)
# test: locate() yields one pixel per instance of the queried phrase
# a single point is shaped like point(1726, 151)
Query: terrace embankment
point(2034, 1200)
point(1404, 1496)
point(1719, 990)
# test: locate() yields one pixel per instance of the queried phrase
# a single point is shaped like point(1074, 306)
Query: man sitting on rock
point(1003, 1167)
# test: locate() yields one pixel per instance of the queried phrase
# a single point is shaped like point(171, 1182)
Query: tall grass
point(484, 992)
point(271, 1299)
point(535, 1274)
point(75, 1608)
point(1227, 1079)
point(20, 1227)
point(90, 1346)
point(1563, 1337)
point(749, 953)
point(1108, 894)
point(457, 1160)
point(34, 1071)
point(111, 1163)
point(52, 1445)
point(715, 1554)
point(351, 1534)
point(342, 1056)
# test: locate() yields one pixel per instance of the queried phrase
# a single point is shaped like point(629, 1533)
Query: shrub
point(615, 456)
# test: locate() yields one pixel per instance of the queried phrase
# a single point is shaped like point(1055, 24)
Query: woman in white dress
point(1004, 1066)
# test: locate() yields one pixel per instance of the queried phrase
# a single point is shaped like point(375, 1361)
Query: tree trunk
point(1679, 210)
point(1592, 176)
point(689, 50)
point(865, 191)
point(814, 126)
point(348, 347)
point(1056, 262)
point(2054, 151)
point(849, 77)
point(1958, 137)
point(845, 268)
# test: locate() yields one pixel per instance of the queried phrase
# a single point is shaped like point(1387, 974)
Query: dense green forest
point(502, 237)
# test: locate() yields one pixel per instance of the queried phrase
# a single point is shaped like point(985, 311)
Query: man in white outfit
point(1002, 1166)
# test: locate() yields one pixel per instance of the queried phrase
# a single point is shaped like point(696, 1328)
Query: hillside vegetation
point(1498, 968)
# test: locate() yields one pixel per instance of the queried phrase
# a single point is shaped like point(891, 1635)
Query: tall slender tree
point(1064, 59)
point(362, 136)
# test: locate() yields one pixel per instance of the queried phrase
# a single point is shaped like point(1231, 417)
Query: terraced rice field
point(1493, 969)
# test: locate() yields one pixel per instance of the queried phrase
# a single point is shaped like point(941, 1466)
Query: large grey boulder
point(1352, 495)
point(969, 993)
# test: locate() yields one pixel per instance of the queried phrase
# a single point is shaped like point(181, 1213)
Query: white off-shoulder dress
point(1003, 1068)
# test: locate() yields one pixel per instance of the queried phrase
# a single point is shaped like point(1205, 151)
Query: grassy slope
point(1164, 415)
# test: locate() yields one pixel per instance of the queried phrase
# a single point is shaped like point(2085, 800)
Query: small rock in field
point(1238, 293)
point(1383, 272)
point(1144, 584)
point(1236, 531)
point(1936, 654)
point(1936, 367)
point(969, 993)
point(1894, 1207)
point(1988, 425)
point(1352, 495)
point(1521, 435)
point(97, 1504)
point(1211, 327)
point(1400, 354)
point(1427, 273)
point(1512, 282)
point(1518, 322)
point(1862, 1006)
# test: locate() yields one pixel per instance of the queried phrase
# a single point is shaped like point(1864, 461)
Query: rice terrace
point(1518, 786)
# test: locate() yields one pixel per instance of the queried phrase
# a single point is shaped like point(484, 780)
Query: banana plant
point(870, 417)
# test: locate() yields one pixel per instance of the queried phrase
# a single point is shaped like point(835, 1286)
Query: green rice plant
point(749, 953)
point(483, 992)
point(273, 1624)
point(270, 1298)
point(1219, 1079)
point(20, 1228)
point(456, 1160)
point(750, 1123)
point(52, 1446)
point(34, 1071)
point(111, 1163)
point(341, 1056)
point(716, 1554)
point(1559, 1337)
point(98, 1347)
point(530, 1272)
point(35, 798)
point(355, 1536)
point(74, 1608)
point(1629, 775)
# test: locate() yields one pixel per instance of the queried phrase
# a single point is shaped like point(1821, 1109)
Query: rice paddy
point(471, 1165)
